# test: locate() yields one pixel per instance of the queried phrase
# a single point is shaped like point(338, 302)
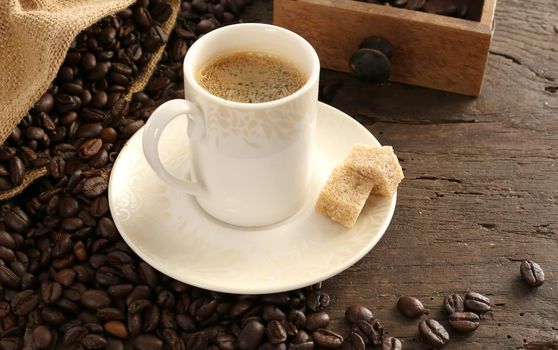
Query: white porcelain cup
point(250, 163)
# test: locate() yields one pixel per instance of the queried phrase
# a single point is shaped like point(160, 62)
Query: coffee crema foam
point(251, 77)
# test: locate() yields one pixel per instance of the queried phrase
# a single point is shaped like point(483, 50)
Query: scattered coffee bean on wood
point(476, 302)
point(453, 303)
point(353, 342)
point(355, 313)
point(464, 322)
point(433, 333)
point(410, 306)
point(391, 343)
point(532, 273)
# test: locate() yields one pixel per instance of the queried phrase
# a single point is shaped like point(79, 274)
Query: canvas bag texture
point(34, 38)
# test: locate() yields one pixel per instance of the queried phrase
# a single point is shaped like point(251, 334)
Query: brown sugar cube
point(379, 164)
point(344, 195)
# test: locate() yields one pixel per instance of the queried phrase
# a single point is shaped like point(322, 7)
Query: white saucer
point(169, 231)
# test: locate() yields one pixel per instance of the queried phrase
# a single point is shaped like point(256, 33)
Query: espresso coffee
point(251, 77)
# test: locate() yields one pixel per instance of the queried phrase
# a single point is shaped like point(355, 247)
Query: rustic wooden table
point(480, 190)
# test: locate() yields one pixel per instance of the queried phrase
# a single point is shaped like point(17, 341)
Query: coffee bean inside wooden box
point(429, 50)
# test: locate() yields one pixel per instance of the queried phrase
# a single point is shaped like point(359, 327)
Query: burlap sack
point(34, 38)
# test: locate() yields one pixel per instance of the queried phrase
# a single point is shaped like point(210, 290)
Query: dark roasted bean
point(453, 303)
point(317, 301)
point(276, 332)
point(93, 341)
point(148, 342)
point(354, 342)
point(476, 302)
point(42, 337)
point(410, 307)
point(464, 322)
point(24, 302)
point(95, 299)
point(94, 186)
point(116, 329)
point(532, 273)
point(433, 333)
point(327, 339)
point(371, 331)
point(317, 320)
point(17, 220)
point(17, 170)
point(391, 343)
point(251, 335)
point(354, 313)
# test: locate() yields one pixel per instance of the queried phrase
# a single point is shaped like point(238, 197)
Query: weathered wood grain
point(480, 192)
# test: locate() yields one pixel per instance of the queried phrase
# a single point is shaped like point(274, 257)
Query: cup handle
point(153, 129)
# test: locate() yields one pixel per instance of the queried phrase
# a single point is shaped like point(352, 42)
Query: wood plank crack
point(516, 61)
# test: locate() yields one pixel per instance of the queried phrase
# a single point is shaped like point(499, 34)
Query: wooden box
point(429, 50)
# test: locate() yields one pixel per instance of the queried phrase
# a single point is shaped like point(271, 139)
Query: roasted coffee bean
point(93, 115)
point(95, 299)
point(151, 318)
point(272, 312)
point(24, 302)
point(52, 316)
point(317, 301)
point(250, 336)
point(148, 342)
point(88, 61)
point(433, 332)
point(4, 309)
point(94, 186)
point(7, 254)
point(101, 69)
point(532, 273)
point(476, 302)
point(45, 103)
point(9, 278)
point(17, 171)
point(7, 240)
point(453, 303)
point(297, 317)
point(391, 343)
point(307, 345)
point(42, 337)
point(327, 339)
point(356, 313)
point(371, 331)
point(17, 220)
point(90, 148)
point(276, 332)
point(116, 329)
point(51, 292)
point(317, 320)
point(410, 307)
point(10, 343)
point(93, 341)
point(65, 277)
point(354, 342)
point(464, 322)
point(67, 103)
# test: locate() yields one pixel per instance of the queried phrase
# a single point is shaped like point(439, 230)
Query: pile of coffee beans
point(85, 102)
point(452, 8)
